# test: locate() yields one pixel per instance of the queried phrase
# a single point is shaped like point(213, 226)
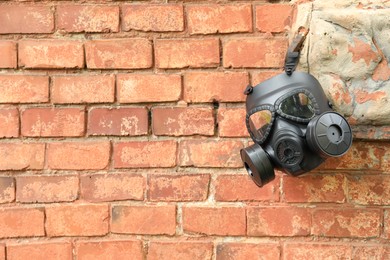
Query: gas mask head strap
point(292, 55)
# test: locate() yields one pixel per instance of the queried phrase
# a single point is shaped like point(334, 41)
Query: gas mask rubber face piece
point(293, 127)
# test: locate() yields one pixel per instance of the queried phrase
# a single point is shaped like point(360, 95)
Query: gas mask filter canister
point(292, 124)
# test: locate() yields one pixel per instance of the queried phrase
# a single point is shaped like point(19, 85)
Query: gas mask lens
point(260, 123)
point(298, 105)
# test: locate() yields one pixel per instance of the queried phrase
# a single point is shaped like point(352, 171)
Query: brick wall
point(121, 124)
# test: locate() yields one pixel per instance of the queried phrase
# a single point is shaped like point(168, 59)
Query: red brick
point(214, 221)
point(22, 156)
point(244, 251)
point(88, 18)
point(2, 252)
point(145, 154)
point(274, 17)
point(267, 221)
point(316, 251)
point(7, 190)
point(254, 53)
point(242, 188)
point(192, 187)
point(369, 189)
point(78, 155)
point(180, 250)
point(314, 188)
point(118, 121)
point(77, 220)
point(346, 222)
point(8, 58)
point(258, 77)
point(371, 251)
point(226, 86)
point(131, 220)
point(109, 249)
point(214, 18)
point(51, 54)
point(179, 121)
point(386, 224)
point(112, 187)
point(40, 251)
point(83, 89)
point(21, 222)
point(47, 188)
point(51, 122)
point(135, 53)
point(210, 153)
point(137, 88)
point(362, 155)
point(151, 17)
point(9, 121)
point(26, 19)
point(24, 89)
point(231, 122)
point(183, 53)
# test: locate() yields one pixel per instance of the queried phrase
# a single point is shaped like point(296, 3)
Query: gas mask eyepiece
point(292, 125)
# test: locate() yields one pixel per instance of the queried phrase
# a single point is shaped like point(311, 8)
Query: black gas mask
point(292, 125)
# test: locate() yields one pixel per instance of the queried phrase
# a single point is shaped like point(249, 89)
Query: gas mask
point(292, 125)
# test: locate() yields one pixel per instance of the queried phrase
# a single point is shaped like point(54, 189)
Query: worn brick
point(386, 224)
point(145, 154)
point(369, 189)
point(24, 89)
point(192, 187)
point(152, 17)
point(179, 121)
point(346, 222)
point(22, 156)
point(109, 249)
point(26, 19)
point(47, 53)
point(8, 57)
point(83, 89)
point(21, 222)
point(2, 252)
point(225, 221)
point(215, 86)
point(214, 18)
point(260, 76)
point(267, 221)
point(137, 88)
point(9, 121)
point(40, 251)
point(254, 53)
point(274, 17)
point(371, 251)
point(316, 251)
point(231, 122)
point(361, 155)
point(7, 189)
point(116, 53)
point(112, 187)
point(77, 220)
point(33, 189)
point(118, 121)
point(180, 250)
point(51, 122)
point(182, 53)
point(242, 188)
point(131, 220)
point(210, 153)
point(243, 251)
point(78, 155)
point(314, 188)
point(88, 18)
